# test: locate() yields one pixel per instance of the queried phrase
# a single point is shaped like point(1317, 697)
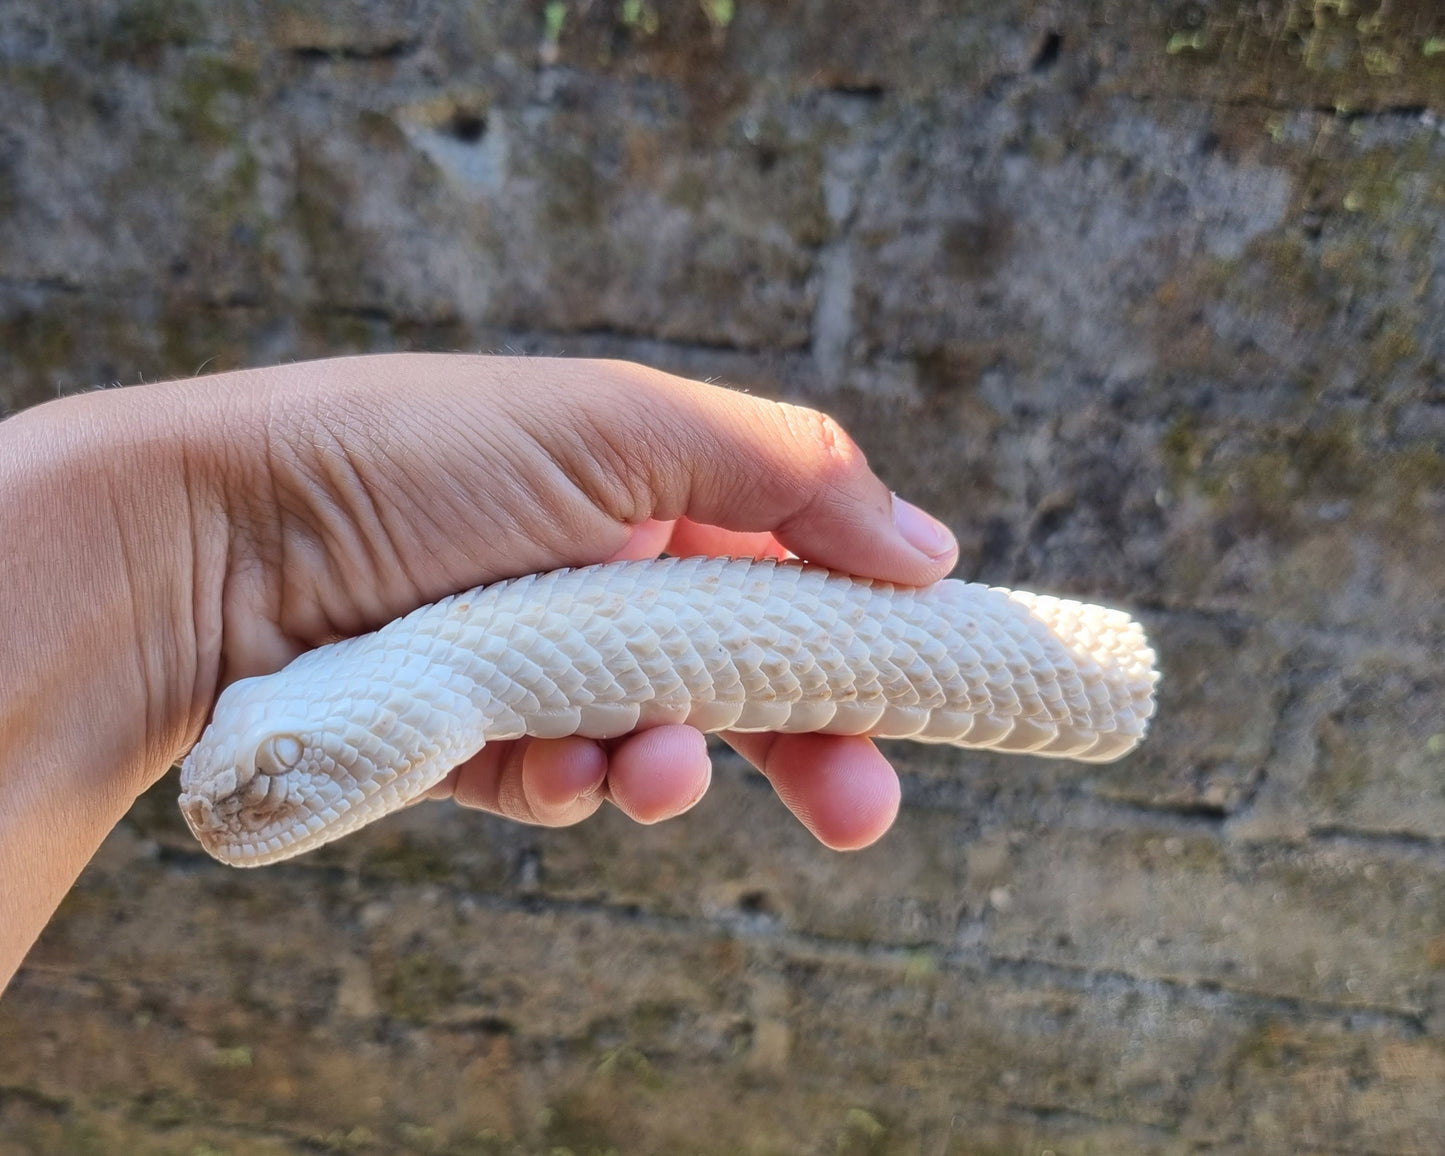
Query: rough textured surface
point(358, 729)
point(1145, 299)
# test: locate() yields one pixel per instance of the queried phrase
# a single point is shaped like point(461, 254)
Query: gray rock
point(1145, 300)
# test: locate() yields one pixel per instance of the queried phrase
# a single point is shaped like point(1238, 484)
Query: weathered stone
point(529, 1026)
point(1323, 1089)
point(1223, 683)
point(1333, 924)
point(1359, 750)
point(1381, 750)
point(1144, 300)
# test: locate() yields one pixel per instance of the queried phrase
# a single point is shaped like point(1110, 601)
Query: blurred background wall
point(1145, 299)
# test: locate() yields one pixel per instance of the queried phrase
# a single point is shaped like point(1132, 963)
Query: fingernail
point(922, 531)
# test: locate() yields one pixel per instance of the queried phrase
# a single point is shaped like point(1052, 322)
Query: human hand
point(557, 464)
point(198, 532)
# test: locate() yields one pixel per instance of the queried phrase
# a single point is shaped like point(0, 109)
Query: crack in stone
point(394, 49)
point(1026, 971)
point(1407, 111)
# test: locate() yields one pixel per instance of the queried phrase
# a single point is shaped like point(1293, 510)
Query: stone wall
point(1145, 299)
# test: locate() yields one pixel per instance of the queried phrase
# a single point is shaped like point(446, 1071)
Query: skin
point(165, 540)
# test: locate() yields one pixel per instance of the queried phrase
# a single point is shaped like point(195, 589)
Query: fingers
point(650, 776)
point(562, 782)
point(839, 786)
point(647, 445)
point(553, 782)
point(659, 773)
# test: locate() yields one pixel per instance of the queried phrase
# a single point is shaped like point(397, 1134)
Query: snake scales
point(353, 730)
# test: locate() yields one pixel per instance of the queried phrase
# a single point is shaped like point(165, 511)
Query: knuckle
point(829, 450)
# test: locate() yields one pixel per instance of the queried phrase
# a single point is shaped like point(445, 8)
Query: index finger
point(649, 445)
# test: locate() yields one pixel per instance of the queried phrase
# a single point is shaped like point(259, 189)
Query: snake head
point(259, 769)
point(282, 769)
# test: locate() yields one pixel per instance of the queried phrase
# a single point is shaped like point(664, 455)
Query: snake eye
point(279, 754)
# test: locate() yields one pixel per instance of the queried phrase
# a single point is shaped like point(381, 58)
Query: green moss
point(1273, 1047)
point(166, 1108)
point(641, 16)
point(1194, 41)
point(921, 966)
point(1416, 469)
point(485, 1143)
point(52, 84)
point(234, 1058)
point(317, 214)
point(1375, 182)
point(410, 861)
point(380, 131)
point(141, 27)
point(42, 342)
point(356, 1139)
point(1346, 54)
point(627, 1063)
point(1288, 486)
point(1392, 340)
point(554, 18)
point(420, 986)
point(1293, 269)
point(84, 1138)
point(573, 191)
point(1182, 449)
point(191, 341)
point(863, 1134)
point(650, 1019)
point(689, 191)
point(210, 100)
point(720, 12)
point(575, 1125)
point(343, 332)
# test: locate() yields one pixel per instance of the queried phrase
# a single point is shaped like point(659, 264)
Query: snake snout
point(200, 814)
point(243, 796)
point(206, 802)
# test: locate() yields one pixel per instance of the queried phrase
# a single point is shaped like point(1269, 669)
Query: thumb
point(643, 444)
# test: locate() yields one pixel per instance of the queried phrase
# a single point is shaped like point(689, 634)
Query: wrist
point(96, 583)
point(99, 690)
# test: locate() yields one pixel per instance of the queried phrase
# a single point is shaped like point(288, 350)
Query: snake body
point(353, 730)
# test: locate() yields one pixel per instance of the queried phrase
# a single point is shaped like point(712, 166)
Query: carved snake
point(353, 730)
